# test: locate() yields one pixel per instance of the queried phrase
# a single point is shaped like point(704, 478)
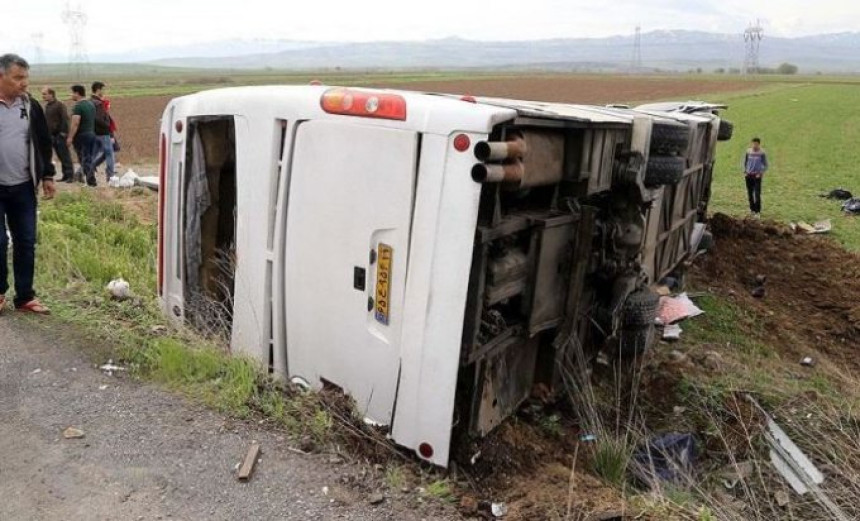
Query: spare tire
point(664, 170)
point(669, 138)
point(725, 131)
point(640, 308)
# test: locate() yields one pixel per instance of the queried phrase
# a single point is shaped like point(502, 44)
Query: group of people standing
point(90, 130)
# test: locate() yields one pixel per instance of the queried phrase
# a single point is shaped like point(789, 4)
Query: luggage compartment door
point(347, 238)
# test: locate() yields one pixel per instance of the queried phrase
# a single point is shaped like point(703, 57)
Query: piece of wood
point(247, 467)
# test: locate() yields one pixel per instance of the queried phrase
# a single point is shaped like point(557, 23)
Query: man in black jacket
point(58, 125)
point(25, 162)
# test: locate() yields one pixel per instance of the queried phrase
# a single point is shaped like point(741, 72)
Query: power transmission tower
point(38, 56)
point(753, 36)
point(636, 62)
point(76, 20)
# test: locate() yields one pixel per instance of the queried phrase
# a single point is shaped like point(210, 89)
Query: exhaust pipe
point(507, 173)
point(515, 147)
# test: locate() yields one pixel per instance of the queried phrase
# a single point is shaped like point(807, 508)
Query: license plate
point(384, 258)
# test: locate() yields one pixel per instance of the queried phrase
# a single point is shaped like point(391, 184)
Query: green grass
point(810, 133)
point(84, 242)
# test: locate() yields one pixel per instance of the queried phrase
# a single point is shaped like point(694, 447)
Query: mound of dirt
point(811, 299)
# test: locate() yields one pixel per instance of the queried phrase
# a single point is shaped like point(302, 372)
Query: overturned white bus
point(430, 255)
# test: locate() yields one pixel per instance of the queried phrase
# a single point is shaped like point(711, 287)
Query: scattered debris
point(758, 292)
point(793, 465)
point(475, 457)
point(36, 371)
point(325, 491)
point(587, 437)
point(128, 179)
point(499, 509)
point(334, 459)
point(102, 387)
point(824, 226)
point(376, 498)
point(247, 467)
point(119, 289)
point(760, 279)
point(669, 457)
point(678, 410)
point(150, 182)
point(839, 194)
point(111, 368)
point(672, 332)
point(674, 309)
point(781, 498)
point(808, 361)
point(736, 473)
point(851, 205)
point(73, 433)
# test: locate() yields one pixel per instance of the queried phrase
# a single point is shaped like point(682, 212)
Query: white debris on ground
point(675, 309)
point(119, 288)
point(805, 228)
point(128, 180)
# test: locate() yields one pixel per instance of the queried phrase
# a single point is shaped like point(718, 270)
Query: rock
point(376, 498)
point(468, 505)
point(335, 460)
point(677, 357)
point(758, 292)
point(158, 330)
point(760, 279)
point(678, 410)
point(713, 361)
point(781, 498)
point(72, 433)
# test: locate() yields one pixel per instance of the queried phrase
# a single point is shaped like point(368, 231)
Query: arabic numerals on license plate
point(383, 283)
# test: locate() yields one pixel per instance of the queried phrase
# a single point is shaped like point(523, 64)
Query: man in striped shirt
point(755, 165)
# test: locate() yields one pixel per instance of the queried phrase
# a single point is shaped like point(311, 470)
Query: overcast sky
point(120, 25)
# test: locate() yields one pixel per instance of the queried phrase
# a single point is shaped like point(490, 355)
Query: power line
point(76, 20)
point(753, 36)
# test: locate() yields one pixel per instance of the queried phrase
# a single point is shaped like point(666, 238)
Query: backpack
point(102, 118)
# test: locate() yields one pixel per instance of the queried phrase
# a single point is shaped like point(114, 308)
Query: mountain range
point(678, 50)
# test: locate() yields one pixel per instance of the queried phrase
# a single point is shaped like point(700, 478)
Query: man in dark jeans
point(25, 161)
point(755, 165)
point(58, 125)
point(82, 133)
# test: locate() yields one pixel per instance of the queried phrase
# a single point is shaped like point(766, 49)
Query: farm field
point(138, 115)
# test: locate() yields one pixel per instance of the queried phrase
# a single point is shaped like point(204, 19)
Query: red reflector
point(364, 104)
point(162, 189)
point(179, 126)
point(469, 99)
point(462, 143)
point(426, 450)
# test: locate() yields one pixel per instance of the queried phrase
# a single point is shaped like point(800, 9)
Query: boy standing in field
point(755, 165)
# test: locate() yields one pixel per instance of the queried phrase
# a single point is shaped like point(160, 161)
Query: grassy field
point(811, 134)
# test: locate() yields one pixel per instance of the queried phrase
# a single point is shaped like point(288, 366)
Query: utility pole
point(38, 56)
point(636, 62)
point(76, 20)
point(753, 36)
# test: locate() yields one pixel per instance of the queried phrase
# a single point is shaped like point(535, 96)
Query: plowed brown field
point(139, 117)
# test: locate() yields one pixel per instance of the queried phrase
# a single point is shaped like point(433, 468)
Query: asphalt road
point(148, 454)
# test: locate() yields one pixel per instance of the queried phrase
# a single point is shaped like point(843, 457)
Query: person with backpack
point(82, 134)
point(104, 127)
